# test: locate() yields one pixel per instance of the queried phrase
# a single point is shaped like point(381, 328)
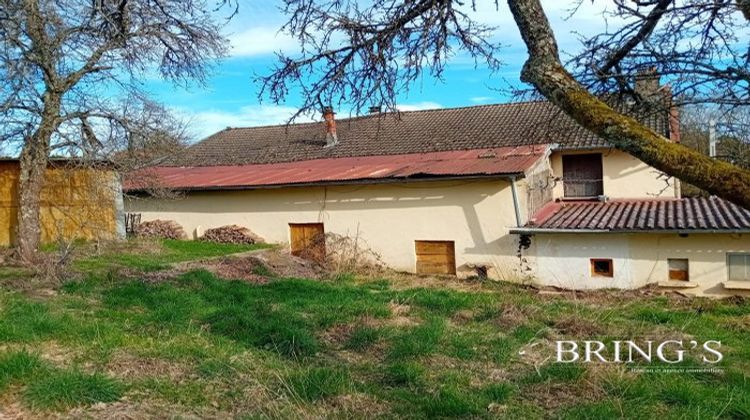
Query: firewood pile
point(231, 234)
point(164, 229)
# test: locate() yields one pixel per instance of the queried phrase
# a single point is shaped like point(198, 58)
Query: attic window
point(602, 267)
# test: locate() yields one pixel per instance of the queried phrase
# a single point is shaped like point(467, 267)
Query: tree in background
point(67, 66)
point(366, 52)
point(732, 132)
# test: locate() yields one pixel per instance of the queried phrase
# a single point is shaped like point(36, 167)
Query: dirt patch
point(512, 316)
point(574, 326)
point(125, 365)
point(136, 410)
point(337, 335)
point(250, 269)
point(356, 406)
point(553, 396)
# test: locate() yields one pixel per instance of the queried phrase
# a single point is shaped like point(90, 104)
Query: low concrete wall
point(563, 260)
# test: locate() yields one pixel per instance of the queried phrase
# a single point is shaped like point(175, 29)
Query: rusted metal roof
point(681, 215)
point(467, 163)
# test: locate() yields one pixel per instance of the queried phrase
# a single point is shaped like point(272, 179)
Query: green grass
point(198, 345)
point(172, 251)
point(70, 388)
point(18, 366)
point(363, 337)
point(317, 383)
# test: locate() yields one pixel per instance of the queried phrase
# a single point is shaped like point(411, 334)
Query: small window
point(601, 267)
point(739, 266)
point(678, 269)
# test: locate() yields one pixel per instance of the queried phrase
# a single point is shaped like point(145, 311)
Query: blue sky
point(230, 98)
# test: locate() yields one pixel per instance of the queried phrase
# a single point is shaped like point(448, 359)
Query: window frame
point(595, 273)
point(687, 269)
point(729, 266)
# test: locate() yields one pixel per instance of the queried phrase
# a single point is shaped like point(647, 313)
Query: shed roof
point(437, 165)
point(699, 214)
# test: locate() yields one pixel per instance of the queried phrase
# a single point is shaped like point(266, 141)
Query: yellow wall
point(75, 203)
point(624, 176)
point(563, 260)
point(388, 217)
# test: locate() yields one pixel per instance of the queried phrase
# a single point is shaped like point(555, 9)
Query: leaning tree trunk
point(545, 71)
point(33, 165)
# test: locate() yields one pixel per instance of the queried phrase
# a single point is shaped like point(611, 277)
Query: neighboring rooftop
point(381, 134)
point(680, 215)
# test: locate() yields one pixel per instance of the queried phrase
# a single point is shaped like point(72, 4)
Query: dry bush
point(231, 234)
point(166, 229)
point(345, 254)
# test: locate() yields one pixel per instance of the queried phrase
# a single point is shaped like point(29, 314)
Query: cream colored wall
point(624, 176)
point(389, 217)
point(563, 260)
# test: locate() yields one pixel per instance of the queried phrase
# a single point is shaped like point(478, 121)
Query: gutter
point(533, 231)
point(372, 181)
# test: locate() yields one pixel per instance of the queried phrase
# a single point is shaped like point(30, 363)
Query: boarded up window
point(308, 240)
point(678, 269)
point(435, 257)
point(582, 175)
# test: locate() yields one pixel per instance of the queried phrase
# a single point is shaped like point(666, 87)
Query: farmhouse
point(77, 201)
point(512, 191)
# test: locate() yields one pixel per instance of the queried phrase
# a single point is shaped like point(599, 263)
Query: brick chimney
point(647, 82)
point(375, 109)
point(330, 123)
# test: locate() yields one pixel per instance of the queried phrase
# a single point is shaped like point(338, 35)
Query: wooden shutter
point(308, 240)
point(435, 257)
point(582, 175)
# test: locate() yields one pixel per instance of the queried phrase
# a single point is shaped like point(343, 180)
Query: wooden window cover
point(435, 257)
point(583, 175)
point(678, 269)
point(598, 263)
point(308, 240)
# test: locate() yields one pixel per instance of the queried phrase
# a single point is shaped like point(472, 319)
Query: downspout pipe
point(516, 204)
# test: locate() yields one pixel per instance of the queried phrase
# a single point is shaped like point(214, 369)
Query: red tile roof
point(437, 130)
point(478, 162)
point(683, 215)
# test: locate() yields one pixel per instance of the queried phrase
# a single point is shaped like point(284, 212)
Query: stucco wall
point(624, 176)
point(75, 203)
point(563, 260)
point(389, 217)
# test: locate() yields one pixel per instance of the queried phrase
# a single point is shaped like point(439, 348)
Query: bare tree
point(67, 64)
point(366, 52)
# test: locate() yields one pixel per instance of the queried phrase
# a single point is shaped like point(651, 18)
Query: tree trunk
point(33, 165)
point(545, 71)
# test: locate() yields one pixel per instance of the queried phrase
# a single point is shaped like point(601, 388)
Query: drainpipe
point(516, 205)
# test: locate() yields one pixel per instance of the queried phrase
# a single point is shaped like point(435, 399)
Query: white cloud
point(261, 40)
point(205, 123)
point(418, 106)
point(481, 99)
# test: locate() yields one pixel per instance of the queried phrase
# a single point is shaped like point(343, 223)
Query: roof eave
point(534, 231)
point(340, 182)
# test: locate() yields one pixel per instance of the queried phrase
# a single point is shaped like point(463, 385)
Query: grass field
point(107, 344)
